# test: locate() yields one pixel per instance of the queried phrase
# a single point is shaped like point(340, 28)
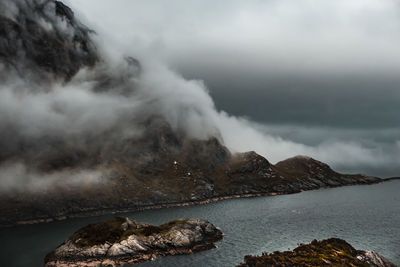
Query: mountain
point(199, 172)
point(138, 161)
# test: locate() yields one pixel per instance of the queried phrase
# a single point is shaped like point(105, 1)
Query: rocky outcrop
point(122, 240)
point(330, 252)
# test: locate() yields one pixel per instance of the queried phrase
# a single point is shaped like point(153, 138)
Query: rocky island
point(122, 240)
point(330, 252)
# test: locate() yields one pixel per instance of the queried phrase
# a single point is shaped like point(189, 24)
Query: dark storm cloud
point(320, 77)
point(345, 102)
point(307, 62)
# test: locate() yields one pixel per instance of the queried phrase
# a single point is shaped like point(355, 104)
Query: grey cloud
point(327, 70)
point(16, 177)
point(332, 63)
point(255, 64)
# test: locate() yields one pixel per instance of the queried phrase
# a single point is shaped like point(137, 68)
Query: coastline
point(102, 212)
point(116, 261)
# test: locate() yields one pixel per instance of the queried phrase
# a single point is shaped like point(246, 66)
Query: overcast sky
point(319, 73)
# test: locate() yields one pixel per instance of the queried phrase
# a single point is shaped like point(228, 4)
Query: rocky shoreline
point(169, 205)
point(122, 240)
point(329, 252)
point(140, 208)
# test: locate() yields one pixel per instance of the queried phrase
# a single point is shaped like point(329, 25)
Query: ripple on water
point(368, 217)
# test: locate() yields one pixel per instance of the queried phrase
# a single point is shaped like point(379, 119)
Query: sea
point(366, 216)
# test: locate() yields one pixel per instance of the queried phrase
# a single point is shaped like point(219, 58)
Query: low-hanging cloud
point(320, 77)
point(15, 177)
point(114, 100)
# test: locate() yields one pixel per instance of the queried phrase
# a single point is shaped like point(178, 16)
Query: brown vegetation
point(330, 252)
point(117, 229)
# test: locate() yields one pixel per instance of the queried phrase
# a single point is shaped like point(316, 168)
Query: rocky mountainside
point(201, 171)
point(44, 37)
point(330, 252)
point(41, 42)
point(122, 240)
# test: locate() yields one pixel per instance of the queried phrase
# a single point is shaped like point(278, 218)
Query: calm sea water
point(368, 217)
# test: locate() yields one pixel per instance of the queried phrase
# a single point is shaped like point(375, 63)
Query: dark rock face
point(330, 252)
point(44, 34)
point(122, 240)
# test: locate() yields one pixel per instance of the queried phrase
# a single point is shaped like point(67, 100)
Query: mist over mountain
point(55, 119)
point(116, 107)
point(318, 77)
point(72, 97)
point(89, 127)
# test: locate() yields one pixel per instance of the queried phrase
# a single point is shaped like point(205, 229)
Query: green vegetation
point(330, 252)
point(113, 231)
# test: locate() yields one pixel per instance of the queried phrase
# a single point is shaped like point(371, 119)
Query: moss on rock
point(330, 252)
point(118, 229)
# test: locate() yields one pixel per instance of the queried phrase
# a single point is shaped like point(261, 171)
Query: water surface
point(367, 216)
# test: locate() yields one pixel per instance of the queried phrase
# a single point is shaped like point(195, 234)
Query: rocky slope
point(201, 171)
point(330, 252)
point(44, 37)
point(122, 240)
point(42, 43)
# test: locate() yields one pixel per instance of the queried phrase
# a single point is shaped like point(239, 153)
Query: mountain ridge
point(168, 182)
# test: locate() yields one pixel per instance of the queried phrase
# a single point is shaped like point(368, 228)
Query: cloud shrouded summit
point(322, 75)
point(92, 123)
point(114, 84)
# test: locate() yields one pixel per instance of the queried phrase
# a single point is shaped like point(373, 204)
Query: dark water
point(368, 217)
